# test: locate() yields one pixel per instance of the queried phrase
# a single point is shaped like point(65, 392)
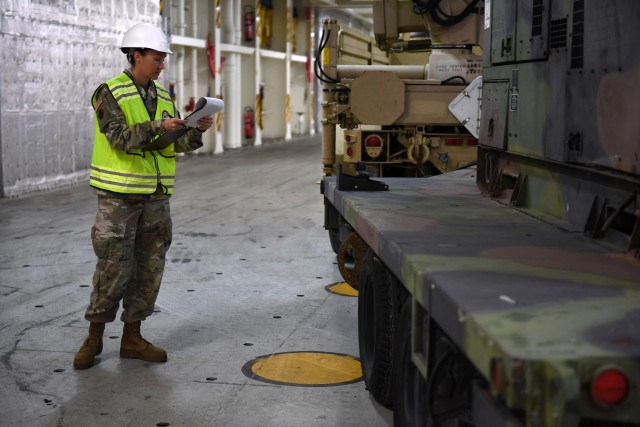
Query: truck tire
point(334, 238)
point(339, 234)
point(418, 402)
point(375, 328)
point(332, 225)
point(409, 388)
point(449, 389)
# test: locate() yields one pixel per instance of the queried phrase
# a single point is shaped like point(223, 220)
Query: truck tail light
point(496, 375)
point(349, 151)
point(472, 141)
point(373, 141)
point(373, 145)
point(609, 387)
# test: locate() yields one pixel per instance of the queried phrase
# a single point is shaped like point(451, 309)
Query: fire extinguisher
point(191, 105)
point(249, 20)
point(248, 122)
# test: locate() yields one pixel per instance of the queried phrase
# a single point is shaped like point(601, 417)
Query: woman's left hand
point(205, 123)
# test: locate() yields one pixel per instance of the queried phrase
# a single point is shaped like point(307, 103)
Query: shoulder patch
point(98, 93)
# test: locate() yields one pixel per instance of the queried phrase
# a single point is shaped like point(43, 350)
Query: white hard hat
point(146, 36)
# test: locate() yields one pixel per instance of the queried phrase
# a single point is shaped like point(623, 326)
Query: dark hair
point(130, 52)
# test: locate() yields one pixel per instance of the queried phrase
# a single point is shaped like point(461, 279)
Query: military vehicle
point(392, 107)
point(508, 294)
point(388, 113)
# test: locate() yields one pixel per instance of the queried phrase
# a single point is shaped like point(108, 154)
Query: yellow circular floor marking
point(342, 288)
point(305, 368)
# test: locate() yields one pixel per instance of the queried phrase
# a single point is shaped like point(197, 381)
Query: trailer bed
point(499, 281)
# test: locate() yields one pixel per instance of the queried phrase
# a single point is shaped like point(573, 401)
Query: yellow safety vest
point(133, 171)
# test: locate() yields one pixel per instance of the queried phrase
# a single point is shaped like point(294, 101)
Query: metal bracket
point(359, 182)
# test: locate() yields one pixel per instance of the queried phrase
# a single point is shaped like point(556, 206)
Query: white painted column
point(257, 132)
point(311, 23)
point(231, 76)
point(217, 83)
point(194, 51)
point(180, 98)
point(287, 70)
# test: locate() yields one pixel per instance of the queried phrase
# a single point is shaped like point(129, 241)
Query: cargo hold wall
point(54, 55)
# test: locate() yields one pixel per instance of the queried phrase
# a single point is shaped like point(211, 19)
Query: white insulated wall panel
point(54, 55)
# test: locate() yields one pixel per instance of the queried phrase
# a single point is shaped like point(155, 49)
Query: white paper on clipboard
point(204, 107)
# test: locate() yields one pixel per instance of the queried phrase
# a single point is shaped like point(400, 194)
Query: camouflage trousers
point(130, 238)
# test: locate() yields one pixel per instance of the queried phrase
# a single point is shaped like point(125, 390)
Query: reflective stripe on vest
point(134, 171)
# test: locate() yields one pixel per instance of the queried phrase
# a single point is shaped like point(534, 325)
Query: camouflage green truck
point(508, 294)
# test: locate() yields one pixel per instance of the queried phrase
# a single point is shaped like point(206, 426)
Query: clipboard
point(204, 107)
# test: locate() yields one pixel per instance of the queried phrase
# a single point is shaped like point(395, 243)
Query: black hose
point(420, 8)
point(444, 82)
point(449, 20)
point(317, 68)
point(432, 7)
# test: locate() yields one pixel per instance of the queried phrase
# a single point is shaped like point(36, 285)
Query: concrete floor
point(248, 245)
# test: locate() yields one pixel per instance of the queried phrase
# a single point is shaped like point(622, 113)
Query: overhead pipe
point(413, 72)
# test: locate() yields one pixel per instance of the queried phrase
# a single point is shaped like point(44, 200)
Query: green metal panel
point(500, 31)
point(532, 30)
point(493, 121)
point(503, 31)
point(528, 108)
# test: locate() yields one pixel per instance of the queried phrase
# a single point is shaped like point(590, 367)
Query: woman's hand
point(205, 123)
point(169, 125)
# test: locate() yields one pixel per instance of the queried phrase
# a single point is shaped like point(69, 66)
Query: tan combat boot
point(91, 347)
point(133, 346)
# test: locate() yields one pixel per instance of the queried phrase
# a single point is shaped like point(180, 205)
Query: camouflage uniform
point(132, 232)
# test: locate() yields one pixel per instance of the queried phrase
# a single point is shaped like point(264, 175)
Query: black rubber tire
point(375, 328)
point(449, 390)
point(416, 401)
point(334, 238)
point(409, 388)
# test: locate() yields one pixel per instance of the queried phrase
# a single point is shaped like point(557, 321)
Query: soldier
point(132, 173)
